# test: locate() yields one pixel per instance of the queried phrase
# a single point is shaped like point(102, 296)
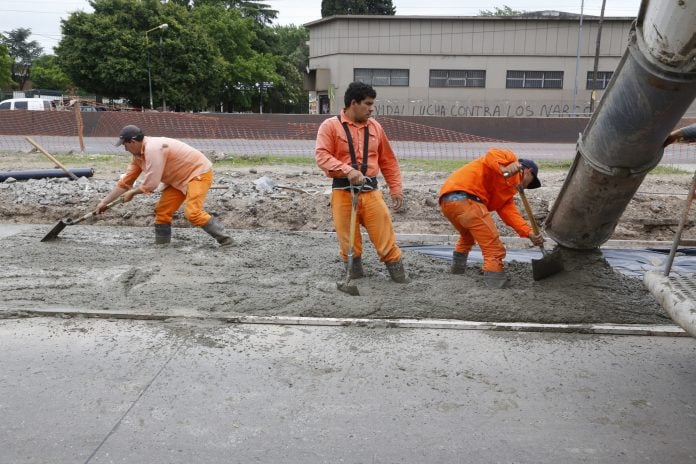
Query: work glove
point(537, 239)
point(398, 201)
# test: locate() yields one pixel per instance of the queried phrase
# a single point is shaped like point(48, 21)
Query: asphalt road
point(123, 391)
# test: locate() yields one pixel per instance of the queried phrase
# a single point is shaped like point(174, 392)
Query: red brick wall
point(292, 127)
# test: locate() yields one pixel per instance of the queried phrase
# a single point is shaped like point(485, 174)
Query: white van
point(31, 104)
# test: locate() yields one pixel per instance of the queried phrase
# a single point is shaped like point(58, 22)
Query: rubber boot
point(397, 272)
point(163, 234)
point(357, 270)
point(459, 262)
point(217, 231)
point(494, 279)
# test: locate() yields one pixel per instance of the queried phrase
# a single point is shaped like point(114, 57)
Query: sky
point(43, 16)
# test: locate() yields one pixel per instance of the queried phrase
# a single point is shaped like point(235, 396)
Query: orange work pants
point(474, 223)
point(171, 199)
point(373, 214)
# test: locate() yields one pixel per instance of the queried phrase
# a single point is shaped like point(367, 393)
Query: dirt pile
point(653, 214)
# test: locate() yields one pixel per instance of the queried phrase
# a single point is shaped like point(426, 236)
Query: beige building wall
point(340, 44)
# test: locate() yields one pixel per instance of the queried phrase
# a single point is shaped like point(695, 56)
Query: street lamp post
point(147, 45)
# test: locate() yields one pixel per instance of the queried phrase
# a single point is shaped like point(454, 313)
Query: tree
point(504, 11)
point(5, 67)
point(213, 54)
point(22, 53)
point(357, 7)
point(106, 53)
point(46, 74)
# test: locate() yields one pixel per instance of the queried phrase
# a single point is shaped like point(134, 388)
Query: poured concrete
point(94, 391)
point(107, 268)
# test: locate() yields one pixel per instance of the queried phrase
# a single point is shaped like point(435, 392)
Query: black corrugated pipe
point(45, 173)
point(620, 145)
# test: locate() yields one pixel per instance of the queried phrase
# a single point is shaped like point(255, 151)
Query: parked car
point(31, 104)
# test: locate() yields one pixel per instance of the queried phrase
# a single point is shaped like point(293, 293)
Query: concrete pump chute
point(652, 88)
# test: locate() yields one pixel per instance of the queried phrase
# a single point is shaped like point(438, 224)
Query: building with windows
point(534, 65)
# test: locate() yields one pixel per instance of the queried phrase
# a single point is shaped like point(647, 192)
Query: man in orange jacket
point(186, 173)
point(352, 149)
point(472, 192)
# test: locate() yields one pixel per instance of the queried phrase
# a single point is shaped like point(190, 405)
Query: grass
point(241, 161)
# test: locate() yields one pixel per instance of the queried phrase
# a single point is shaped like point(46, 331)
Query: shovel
point(551, 262)
point(267, 185)
point(345, 286)
point(53, 234)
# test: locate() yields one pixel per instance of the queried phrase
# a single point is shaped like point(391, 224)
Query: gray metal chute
point(623, 140)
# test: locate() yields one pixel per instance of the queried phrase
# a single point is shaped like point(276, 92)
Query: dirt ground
point(285, 264)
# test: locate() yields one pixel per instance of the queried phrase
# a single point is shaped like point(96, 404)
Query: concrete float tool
point(345, 287)
point(551, 262)
point(53, 234)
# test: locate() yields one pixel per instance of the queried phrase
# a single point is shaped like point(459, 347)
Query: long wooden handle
point(528, 209)
point(51, 157)
point(117, 201)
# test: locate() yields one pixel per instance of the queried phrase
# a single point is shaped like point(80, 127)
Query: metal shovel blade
point(351, 290)
point(550, 264)
point(55, 231)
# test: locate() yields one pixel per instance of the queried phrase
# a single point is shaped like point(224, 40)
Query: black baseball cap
point(129, 133)
point(529, 164)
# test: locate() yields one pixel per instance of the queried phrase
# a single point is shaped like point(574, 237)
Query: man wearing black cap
point(472, 192)
point(186, 173)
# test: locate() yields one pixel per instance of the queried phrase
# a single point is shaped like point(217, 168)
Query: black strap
point(353, 158)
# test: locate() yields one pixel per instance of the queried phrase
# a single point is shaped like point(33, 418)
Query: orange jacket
point(333, 156)
point(483, 178)
point(165, 160)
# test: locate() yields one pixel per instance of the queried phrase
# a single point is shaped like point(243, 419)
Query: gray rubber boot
point(217, 231)
point(397, 272)
point(357, 271)
point(459, 262)
point(163, 234)
point(494, 279)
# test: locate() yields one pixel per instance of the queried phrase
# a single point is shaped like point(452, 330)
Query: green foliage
point(5, 67)
point(212, 55)
point(46, 74)
point(504, 11)
point(22, 54)
point(357, 7)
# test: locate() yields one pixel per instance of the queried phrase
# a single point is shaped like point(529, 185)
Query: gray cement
point(95, 391)
point(269, 273)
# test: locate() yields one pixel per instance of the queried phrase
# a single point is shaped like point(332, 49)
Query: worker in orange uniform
point(352, 149)
point(471, 193)
point(186, 173)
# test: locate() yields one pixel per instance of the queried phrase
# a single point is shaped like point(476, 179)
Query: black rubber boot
point(357, 271)
point(217, 231)
point(397, 272)
point(459, 262)
point(494, 279)
point(163, 234)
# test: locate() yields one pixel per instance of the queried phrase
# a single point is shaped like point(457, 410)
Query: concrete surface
point(104, 391)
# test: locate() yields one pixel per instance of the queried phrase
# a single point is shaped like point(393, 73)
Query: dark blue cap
point(529, 164)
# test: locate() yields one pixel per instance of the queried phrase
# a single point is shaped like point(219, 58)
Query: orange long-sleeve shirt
point(483, 178)
point(165, 160)
point(333, 155)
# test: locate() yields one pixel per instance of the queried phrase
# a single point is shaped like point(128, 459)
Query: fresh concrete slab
point(106, 391)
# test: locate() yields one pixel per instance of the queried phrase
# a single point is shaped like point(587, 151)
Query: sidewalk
point(107, 391)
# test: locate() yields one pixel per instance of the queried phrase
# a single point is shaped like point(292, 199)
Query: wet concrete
point(94, 391)
point(94, 267)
